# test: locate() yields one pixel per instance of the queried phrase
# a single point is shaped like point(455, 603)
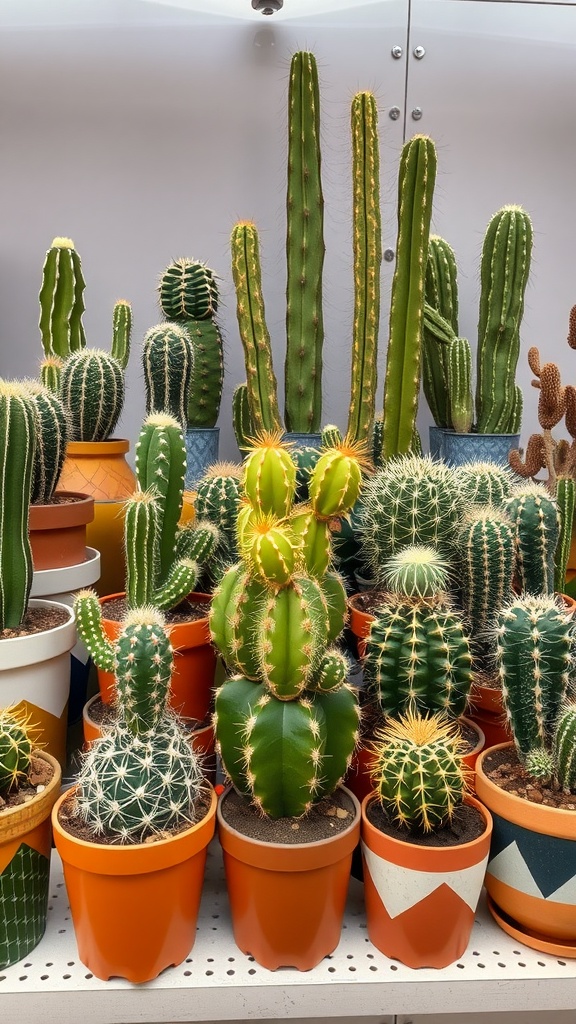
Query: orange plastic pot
point(421, 900)
point(135, 908)
point(192, 683)
point(287, 902)
point(58, 531)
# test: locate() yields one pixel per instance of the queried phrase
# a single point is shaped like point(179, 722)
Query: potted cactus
point(36, 636)
point(133, 832)
point(29, 786)
point(487, 427)
point(425, 843)
point(286, 720)
point(529, 785)
point(91, 385)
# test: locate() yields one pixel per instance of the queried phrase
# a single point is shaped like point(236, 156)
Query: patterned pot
point(460, 448)
point(201, 452)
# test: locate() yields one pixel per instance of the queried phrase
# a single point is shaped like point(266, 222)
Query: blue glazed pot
point(460, 448)
point(201, 452)
point(436, 435)
point(303, 440)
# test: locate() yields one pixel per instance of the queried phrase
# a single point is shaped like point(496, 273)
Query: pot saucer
point(535, 940)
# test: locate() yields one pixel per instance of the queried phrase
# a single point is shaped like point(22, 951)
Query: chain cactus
point(167, 362)
point(15, 748)
point(61, 300)
point(417, 771)
point(18, 429)
point(51, 440)
point(441, 295)
point(537, 523)
point(92, 389)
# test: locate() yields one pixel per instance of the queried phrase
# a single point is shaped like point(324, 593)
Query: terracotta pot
point(486, 709)
point(35, 677)
point(134, 908)
point(99, 468)
point(58, 531)
point(287, 902)
point(194, 663)
point(25, 848)
point(421, 900)
point(531, 874)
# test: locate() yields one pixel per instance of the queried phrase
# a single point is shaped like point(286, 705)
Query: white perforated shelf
point(218, 982)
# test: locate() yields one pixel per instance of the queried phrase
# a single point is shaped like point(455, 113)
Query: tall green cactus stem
point(564, 749)
point(51, 441)
point(160, 462)
point(566, 501)
point(441, 294)
point(260, 377)
point(504, 271)
point(486, 569)
point(50, 372)
point(207, 379)
point(460, 385)
point(141, 530)
point(416, 181)
point(241, 418)
point(61, 300)
point(167, 362)
point(121, 332)
point(269, 478)
point(92, 389)
point(188, 291)
point(17, 428)
point(15, 748)
point(484, 483)
point(534, 643)
point(367, 245)
point(537, 523)
point(304, 250)
point(418, 773)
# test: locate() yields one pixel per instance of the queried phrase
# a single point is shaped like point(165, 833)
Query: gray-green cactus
point(92, 390)
point(537, 524)
point(168, 363)
point(18, 430)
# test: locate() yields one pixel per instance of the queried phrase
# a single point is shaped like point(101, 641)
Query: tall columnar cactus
point(15, 748)
point(142, 777)
point(537, 524)
point(61, 300)
point(51, 439)
point(304, 250)
point(416, 179)
point(441, 295)
point(564, 748)
point(504, 272)
point(168, 363)
point(566, 501)
point(417, 771)
point(92, 389)
point(367, 245)
point(18, 430)
point(535, 640)
point(121, 332)
point(411, 500)
point(487, 559)
point(484, 483)
point(460, 385)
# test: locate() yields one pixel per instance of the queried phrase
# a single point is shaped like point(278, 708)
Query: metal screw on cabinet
point(397, 52)
point(394, 113)
point(419, 52)
point(389, 255)
point(417, 113)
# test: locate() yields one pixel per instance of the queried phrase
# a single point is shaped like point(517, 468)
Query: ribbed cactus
point(50, 371)
point(61, 300)
point(367, 247)
point(142, 777)
point(51, 440)
point(564, 748)
point(417, 771)
point(566, 502)
point(336, 479)
point(535, 640)
point(217, 501)
point(484, 483)
point(241, 417)
point(269, 477)
point(441, 295)
point(92, 389)
point(416, 181)
point(205, 391)
point(121, 332)
point(416, 571)
point(487, 559)
point(537, 523)
point(188, 291)
point(168, 363)
point(504, 272)
point(460, 385)
point(412, 500)
point(15, 748)
point(18, 430)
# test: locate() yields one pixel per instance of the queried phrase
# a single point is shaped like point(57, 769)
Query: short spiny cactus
point(92, 389)
point(168, 363)
point(484, 483)
point(15, 748)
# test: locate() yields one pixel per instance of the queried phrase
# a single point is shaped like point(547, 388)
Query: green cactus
point(504, 271)
point(15, 748)
point(537, 523)
point(566, 501)
point(61, 300)
point(168, 363)
point(441, 295)
point(460, 385)
point(18, 430)
point(367, 245)
point(484, 483)
point(121, 331)
point(416, 571)
point(332, 437)
point(418, 774)
point(487, 558)
point(564, 748)
point(51, 441)
point(188, 291)
point(241, 417)
point(335, 480)
point(205, 392)
point(50, 372)
point(269, 477)
point(416, 181)
point(92, 390)
point(218, 501)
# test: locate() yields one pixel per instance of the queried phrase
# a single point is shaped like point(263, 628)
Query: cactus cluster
point(286, 722)
point(142, 777)
point(15, 748)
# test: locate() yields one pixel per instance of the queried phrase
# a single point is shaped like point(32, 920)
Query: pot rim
point(11, 824)
point(180, 632)
point(60, 639)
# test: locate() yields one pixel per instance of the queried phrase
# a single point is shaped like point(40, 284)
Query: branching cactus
point(15, 748)
point(416, 179)
point(487, 560)
point(51, 440)
point(62, 300)
point(18, 430)
point(417, 652)
point(417, 771)
point(92, 389)
point(168, 363)
point(142, 777)
point(537, 524)
point(286, 721)
point(441, 295)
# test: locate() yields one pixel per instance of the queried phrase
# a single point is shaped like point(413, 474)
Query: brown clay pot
point(421, 900)
point(287, 902)
point(194, 663)
point(134, 908)
point(58, 531)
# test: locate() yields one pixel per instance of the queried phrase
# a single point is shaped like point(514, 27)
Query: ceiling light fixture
point(267, 6)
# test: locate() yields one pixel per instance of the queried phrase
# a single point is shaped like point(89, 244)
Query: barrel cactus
point(484, 483)
point(168, 364)
point(92, 389)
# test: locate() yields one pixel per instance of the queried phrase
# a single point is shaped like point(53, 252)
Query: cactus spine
point(441, 295)
point(17, 428)
point(168, 362)
point(416, 181)
point(367, 243)
point(460, 385)
point(61, 300)
point(92, 389)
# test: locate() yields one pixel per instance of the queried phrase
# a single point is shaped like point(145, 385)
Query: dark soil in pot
point(467, 824)
point(36, 620)
point(39, 775)
point(504, 769)
point(331, 815)
point(72, 823)
point(116, 609)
